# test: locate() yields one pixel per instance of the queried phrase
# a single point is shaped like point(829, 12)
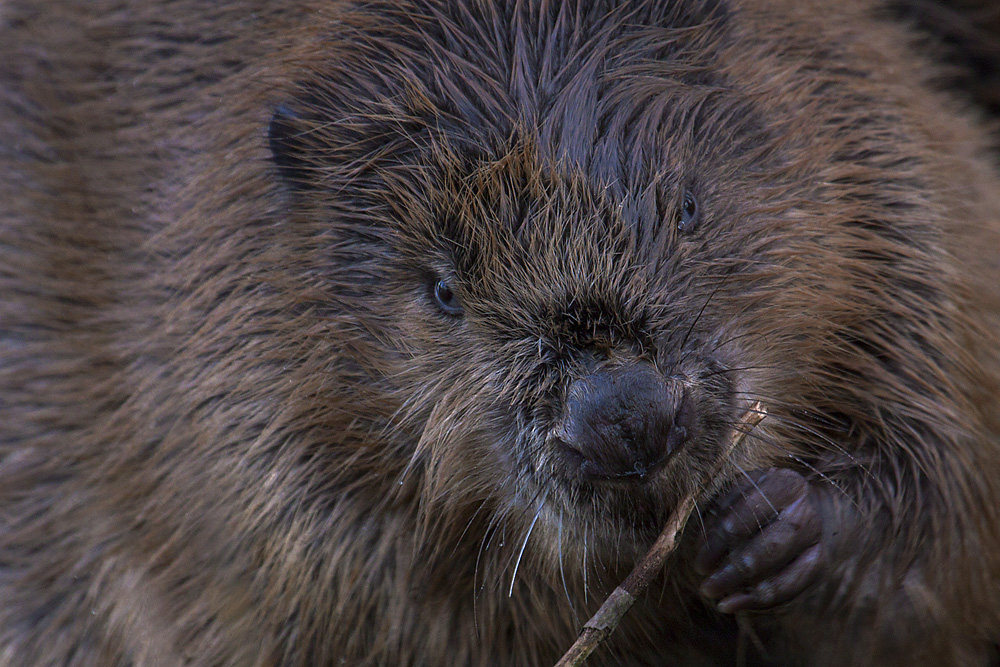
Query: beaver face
point(542, 266)
point(603, 390)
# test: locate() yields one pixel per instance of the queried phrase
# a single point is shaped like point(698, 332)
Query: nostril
point(676, 437)
point(574, 460)
point(572, 456)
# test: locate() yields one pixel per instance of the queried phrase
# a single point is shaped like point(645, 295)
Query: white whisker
point(513, 577)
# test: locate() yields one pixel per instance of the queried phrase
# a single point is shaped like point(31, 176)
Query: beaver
point(390, 332)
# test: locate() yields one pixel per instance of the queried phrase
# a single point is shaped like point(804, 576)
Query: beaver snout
point(622, 423)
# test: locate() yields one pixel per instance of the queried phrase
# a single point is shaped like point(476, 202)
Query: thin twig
point(603, 623)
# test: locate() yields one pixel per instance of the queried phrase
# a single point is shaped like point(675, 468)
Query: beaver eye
point(689, 212)
point(445, 298)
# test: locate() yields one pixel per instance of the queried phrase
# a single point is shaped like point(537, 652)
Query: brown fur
point(234, 431)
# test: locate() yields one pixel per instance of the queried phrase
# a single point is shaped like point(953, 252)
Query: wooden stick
point(603, 623)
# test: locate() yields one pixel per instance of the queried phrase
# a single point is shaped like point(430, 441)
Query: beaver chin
point(618, 518)
point(612, 521)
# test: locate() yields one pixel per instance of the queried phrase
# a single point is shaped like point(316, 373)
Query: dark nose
point(622, 423)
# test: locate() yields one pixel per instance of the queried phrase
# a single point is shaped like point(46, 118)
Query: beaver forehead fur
point(240, 428)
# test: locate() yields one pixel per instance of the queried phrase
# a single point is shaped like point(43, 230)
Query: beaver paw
point(762, 542)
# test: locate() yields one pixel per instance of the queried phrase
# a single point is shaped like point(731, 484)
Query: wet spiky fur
point(235, 429)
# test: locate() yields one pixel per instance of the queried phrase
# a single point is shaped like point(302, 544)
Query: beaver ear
point(286, 138)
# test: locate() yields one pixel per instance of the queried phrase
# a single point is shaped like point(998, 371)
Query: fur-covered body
point(234, 430)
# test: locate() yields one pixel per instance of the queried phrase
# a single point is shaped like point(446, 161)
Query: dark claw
point(746, 510)
point(781, 588)
point(762, 544)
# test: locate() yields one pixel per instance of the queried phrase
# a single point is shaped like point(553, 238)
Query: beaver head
point(566, 266)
